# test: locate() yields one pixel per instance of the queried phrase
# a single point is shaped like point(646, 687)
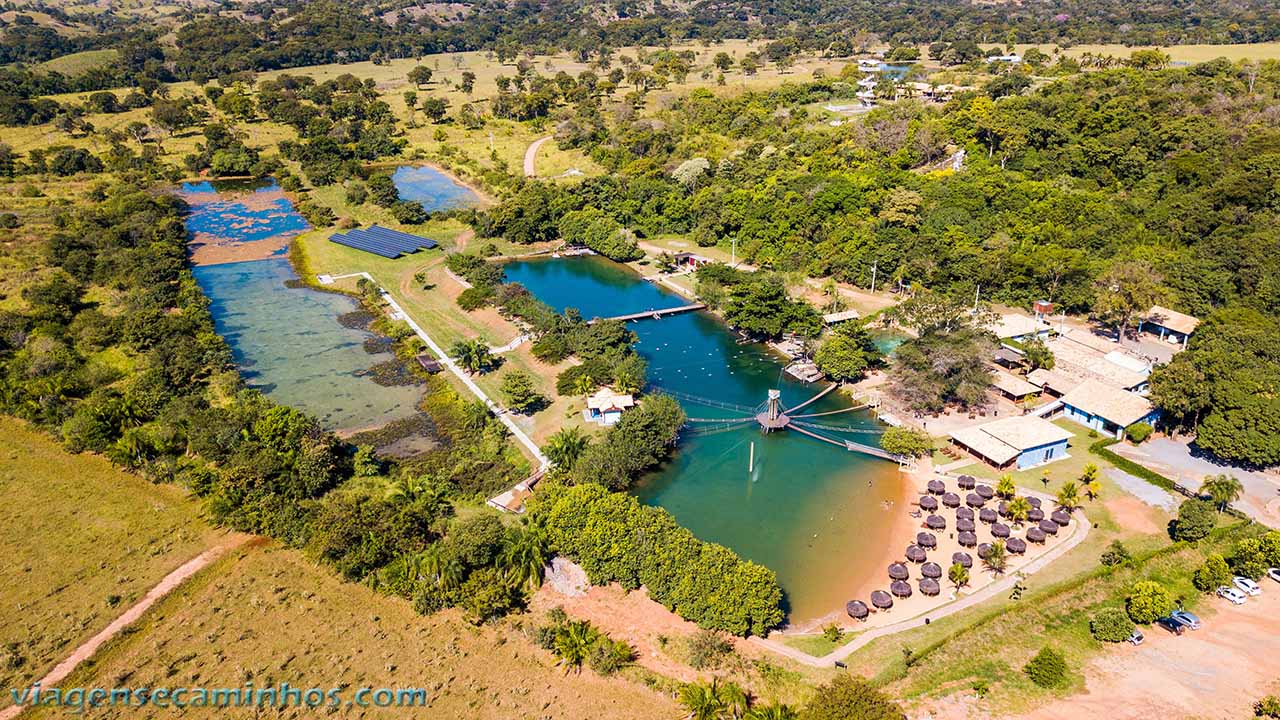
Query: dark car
point(1171, 625)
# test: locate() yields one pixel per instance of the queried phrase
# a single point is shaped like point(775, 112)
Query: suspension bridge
point(771, 415)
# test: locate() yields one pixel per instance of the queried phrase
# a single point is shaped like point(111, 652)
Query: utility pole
point(873, 276)
point(977, 291)
point(733, 254)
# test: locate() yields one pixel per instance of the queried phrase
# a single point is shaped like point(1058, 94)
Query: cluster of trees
point(756, 303)
point(616, 539)
point(848, 352)
point(578, 642)
point(846, 697)
point(947, 361)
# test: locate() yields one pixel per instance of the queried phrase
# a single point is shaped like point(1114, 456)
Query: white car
point(1247, 586)
point(1231, 595)
point(1274, 574)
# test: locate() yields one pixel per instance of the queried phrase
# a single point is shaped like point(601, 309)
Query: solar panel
point(408, 239)
point(359, 244)
point(368, 239)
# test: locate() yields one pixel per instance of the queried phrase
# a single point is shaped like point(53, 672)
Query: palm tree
point(573, 644)
point(1018, 508)
point(1069, 497)
point(1091, 482)
point(525, 558)
point(435, 568)
point(472, 355)
point(995, 559)
point(564, 447)
point(772, 711)
point(583, 385)
point(1222, 490)
point(1005, 487)
point(701, 701)
point(959, 575)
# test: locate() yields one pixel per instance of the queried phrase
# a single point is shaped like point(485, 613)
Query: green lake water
point(815, 514)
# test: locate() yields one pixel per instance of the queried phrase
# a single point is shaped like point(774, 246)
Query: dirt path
point(531, 154)
point(130, 616)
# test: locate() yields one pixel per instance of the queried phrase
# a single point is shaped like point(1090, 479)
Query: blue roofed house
point(1021, 441)
point(1106, 408)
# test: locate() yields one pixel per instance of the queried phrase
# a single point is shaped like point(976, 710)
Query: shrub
point(848, 697)
point(1195, 519)
point(905, 441)
point(1147, 601)
point(474, 298)
point(1138, 432)
point(1268, 706)
point(1048, 668)
point(1212, 574)
point(1115, 554)
point(708, 650)
point(1111, 625)
point(1249, 558)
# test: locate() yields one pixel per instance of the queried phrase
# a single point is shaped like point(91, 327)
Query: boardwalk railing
point(655, 314)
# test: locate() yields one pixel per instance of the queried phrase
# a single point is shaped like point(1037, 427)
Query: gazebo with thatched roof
point(926, 540)
point(1048, 526)
point(964, 513)
point(1017, 546)
point(987, 515)
point(1035, 535)
point(966, 482)
point(936, 487)
point(985, 492)
point(931, 570)
point(928, 502)
point(881, 600)
point(967, 539)
point(1035, 515)
point(999, 530)
point(929, 587)
point(901, 589)
point(857, 609)
point(898, 571)
point(963, 559)
point(916, 554)
point(935, 522)
point(1062, 517)
point(951, 500)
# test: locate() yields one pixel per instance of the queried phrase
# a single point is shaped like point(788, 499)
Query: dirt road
point(531, 154)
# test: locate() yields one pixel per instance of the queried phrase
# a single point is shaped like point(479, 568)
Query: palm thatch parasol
point(1035, 515)
point(929, 502)
point(985, 491)
point(926, 540)
point(964, 513)
point(1062, 517)
point(1049, 527)
point(984, 550)
point(964, 559)
point(935, 522)
point(930, 587)
point(1035, 535)
point(931, 570)
point(987, 515)
point(1035, 501)
point(951, 500)
point(974, 500)
point(1003, 509)
point(857, 609)
point(966, 482)
point(900, 589)
point(898, 571)
point(967, 539)
point(916, 554)
point(965, 526)
point(937, 487)
point(999, 530)
point(881, 599)
point(1017, 546)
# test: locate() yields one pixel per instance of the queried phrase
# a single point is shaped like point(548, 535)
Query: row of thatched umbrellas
point(966, 535)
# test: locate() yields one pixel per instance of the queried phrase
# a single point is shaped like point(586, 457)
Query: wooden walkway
point(655, 314)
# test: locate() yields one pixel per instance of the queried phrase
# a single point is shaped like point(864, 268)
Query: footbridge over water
point(655, 314)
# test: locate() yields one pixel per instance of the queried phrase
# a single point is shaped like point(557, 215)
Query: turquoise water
point(432, 188)
point(812, 512)
point(287, 341)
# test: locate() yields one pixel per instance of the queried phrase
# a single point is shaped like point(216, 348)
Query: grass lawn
point(267, 615)
point(1178, 53)
point(81, 542)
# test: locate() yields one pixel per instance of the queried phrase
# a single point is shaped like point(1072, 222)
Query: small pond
point(432, 188)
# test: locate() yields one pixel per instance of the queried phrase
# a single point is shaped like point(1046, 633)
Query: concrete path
point(1081, 525)
point(1176, 459)
point(531, 154)
point(130, 616)
point(516, 342)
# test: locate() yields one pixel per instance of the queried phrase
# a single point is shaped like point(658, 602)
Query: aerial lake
point(432, 188)
point(814, 513)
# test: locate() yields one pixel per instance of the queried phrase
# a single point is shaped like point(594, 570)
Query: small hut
point(967, 539)
point(898, 571)
point(881, 600)
point(937, 487)
point(1049, 527)
point(965, 526)
point(966, 482)
point(857, 609)
point(963, 559)
point(900, 589)
point(930, 587)
point(1035, 515)
point(974, 500)
point(931, 570)
point(984, 550)
point(999, 530)
point(951, 500)
point(964, 513)
point(928, 502)
point(926, 540)
point(985, 491)
point(1035, 535)
point(1017, 546)
point(935, 522)
point(916, 554)
point(987, 515)
point(1062, 517)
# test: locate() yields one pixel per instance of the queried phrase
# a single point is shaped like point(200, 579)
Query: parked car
point(1274, 574)
point(1232, 595)
point(1191, 621)
point(1247, 586)
point(1171, 625)
point(1136, 637)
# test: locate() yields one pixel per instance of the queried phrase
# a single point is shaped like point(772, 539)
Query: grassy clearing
point(268, 616)
point(1178, 53)
point(81, 62)
point(81, 541)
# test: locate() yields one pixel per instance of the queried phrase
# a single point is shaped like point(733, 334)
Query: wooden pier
point(655, 314)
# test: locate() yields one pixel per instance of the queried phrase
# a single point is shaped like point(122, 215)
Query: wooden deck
point(655, 314)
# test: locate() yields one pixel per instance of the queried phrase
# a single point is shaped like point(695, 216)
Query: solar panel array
point(383, 242)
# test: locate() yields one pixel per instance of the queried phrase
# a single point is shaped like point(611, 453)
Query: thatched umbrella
point(1062, 517)
point(964, 559)
point(984, 550)
point(966, 482)
point(1003, 509)
point(987, 515)
point(929, 502)
point(926, 540)
point(967, 539)
point(900, 589)
point(935, 522)
point(974, 500)
point(964, 513)
point(1035, 515)
point(965, 526)
point(930, 587)
point(937, 487)
point(1049, 527)
point(857, 609)
point(999, 530)
point(916, 554)
point(881, 599)
point(898, 571)
point(951, 500)
point(1035, 535)
point(1017, 546)
point(1035, 501)
point(931, 570)
point(985, 491)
